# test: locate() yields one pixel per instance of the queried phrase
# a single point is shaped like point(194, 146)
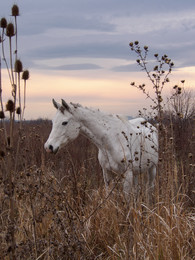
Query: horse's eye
point(65, 123)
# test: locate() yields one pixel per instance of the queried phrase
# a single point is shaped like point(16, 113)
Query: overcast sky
point(70, 45)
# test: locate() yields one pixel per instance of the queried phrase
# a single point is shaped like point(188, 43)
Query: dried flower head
point(131, 44)
point(136, 42)
point(18, 111)
point(10, 105)
point(2, 154)
point(190, 155)
point(15, 10)
point(25, 75)
point(2, 115)
point(18, 66)
point(3, 23)
point(8, 140)
point(179, 91)
point(10, 30)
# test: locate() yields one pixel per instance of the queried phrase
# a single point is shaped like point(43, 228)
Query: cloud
point(88, 39)
point(102, 29)
point(126, 68)
point(85, 66)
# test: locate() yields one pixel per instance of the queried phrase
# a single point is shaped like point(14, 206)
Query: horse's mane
point(100, 113)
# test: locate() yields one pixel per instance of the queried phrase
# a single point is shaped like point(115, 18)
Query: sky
point(79, 50)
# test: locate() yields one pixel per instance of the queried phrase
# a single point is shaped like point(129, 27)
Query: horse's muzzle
point(50, 149)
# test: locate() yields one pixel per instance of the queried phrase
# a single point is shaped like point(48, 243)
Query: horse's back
point(143, 125)
point(146, 136)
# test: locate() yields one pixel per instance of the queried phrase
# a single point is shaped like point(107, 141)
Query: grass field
point(56, 207)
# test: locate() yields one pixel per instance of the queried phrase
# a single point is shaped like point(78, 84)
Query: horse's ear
point(56, 105)
point(65, 105)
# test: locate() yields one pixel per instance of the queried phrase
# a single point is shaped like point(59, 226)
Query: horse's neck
point(96, 126)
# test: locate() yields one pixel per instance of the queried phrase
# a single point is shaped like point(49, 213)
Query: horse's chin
point(56, 150)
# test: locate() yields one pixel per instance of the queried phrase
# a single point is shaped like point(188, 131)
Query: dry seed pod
point(3, 23)
point(18, 66)
point(18, 110)
point(15, 10)
point(25, 75)
point(10, 30)
point(10, 106)
point(2, 115)
point(2, 154)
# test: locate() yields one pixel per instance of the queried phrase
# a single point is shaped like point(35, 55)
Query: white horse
point(125, 147)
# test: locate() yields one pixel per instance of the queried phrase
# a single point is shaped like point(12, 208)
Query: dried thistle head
point(15, 10)
point(10, 106)
point(8, 140)
point(10, 30)
point(18, 66)
point(3, 23)
point(25, 75)
point(2, 115)
point(2, 154)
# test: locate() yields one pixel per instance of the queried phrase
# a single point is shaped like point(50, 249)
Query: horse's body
point(125, 147)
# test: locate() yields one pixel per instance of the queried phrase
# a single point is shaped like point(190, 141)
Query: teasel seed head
point(10, 106)
point(2, 115)
point(15, 10)
point(10, 30)
point(18, 111)
point(3, 23)
point(25, 75)
point(18, 66)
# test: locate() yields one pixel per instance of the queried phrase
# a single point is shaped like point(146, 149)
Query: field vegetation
point(56, 206)
point(61, 210)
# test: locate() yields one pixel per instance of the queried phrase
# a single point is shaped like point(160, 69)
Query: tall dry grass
point(61, 209)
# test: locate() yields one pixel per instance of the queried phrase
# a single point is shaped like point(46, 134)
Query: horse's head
point(64, 127)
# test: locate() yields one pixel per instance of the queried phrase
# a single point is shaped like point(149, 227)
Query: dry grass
point(61, 210)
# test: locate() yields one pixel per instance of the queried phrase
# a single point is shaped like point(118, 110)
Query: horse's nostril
point(51, 148)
